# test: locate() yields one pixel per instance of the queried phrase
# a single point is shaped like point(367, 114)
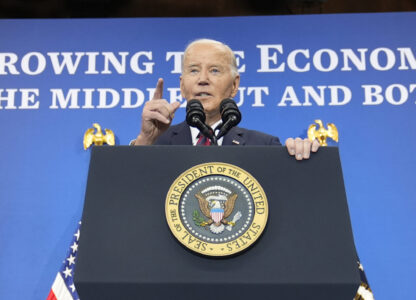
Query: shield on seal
point(217, 214)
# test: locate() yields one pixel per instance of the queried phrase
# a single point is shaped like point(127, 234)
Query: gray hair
point(233, 62)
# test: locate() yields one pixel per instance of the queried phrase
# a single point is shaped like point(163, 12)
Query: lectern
point(127, 250)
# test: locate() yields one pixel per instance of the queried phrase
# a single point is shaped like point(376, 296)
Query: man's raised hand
point(156, 117)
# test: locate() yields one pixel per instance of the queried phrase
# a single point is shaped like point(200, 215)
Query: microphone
point(195, 117)
point(230, 115)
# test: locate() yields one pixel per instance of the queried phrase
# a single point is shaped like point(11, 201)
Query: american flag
point(63, 287)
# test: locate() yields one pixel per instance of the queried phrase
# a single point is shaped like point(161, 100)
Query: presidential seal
point(216, 209)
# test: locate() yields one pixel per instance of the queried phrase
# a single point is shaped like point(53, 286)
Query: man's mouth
point(203, 94)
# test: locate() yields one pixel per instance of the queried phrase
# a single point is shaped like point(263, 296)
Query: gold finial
point(322, 134)
point(99, 138)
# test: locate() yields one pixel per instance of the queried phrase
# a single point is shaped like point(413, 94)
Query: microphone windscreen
point(194, 112)
point(228, 108)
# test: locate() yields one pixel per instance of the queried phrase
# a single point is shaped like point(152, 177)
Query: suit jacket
point(180, 134)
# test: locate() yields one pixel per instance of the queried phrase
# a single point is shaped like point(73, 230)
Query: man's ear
point(236, 84)
point(181, 86)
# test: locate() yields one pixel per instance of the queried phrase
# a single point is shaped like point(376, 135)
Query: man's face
point(207, 77)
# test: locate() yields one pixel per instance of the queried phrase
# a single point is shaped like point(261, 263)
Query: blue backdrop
point(57, 77)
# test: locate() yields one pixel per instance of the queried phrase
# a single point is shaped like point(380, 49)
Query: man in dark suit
point(180, 134)
point(209, 74)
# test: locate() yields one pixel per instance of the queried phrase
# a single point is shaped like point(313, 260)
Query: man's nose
point(203, 78)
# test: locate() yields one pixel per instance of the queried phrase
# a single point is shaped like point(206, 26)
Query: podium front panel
point(128, 252)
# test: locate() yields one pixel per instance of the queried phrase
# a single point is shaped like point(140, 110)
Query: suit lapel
point(234, 137)
point(181, 135)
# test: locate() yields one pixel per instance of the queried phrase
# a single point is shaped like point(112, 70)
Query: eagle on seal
point(216, 212)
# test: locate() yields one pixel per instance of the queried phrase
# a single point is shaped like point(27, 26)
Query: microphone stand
point(213, 139)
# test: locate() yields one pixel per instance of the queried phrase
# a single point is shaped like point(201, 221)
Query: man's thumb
point(175, 105)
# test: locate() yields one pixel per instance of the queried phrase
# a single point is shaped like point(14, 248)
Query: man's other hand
point(156, 117)
point(301, 149)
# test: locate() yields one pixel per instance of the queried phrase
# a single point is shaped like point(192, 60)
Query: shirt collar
point(195, 132)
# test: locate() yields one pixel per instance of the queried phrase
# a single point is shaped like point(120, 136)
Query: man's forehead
point(202, 50)
point(207, 60)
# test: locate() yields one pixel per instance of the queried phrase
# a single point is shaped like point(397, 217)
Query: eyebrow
point(193, 65)
point(199, 65)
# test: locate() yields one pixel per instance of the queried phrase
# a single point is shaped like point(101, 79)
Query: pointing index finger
point(159, 90)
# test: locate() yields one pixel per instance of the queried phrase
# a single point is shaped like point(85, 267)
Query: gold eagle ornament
point(321, 134)
point(98, 138)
